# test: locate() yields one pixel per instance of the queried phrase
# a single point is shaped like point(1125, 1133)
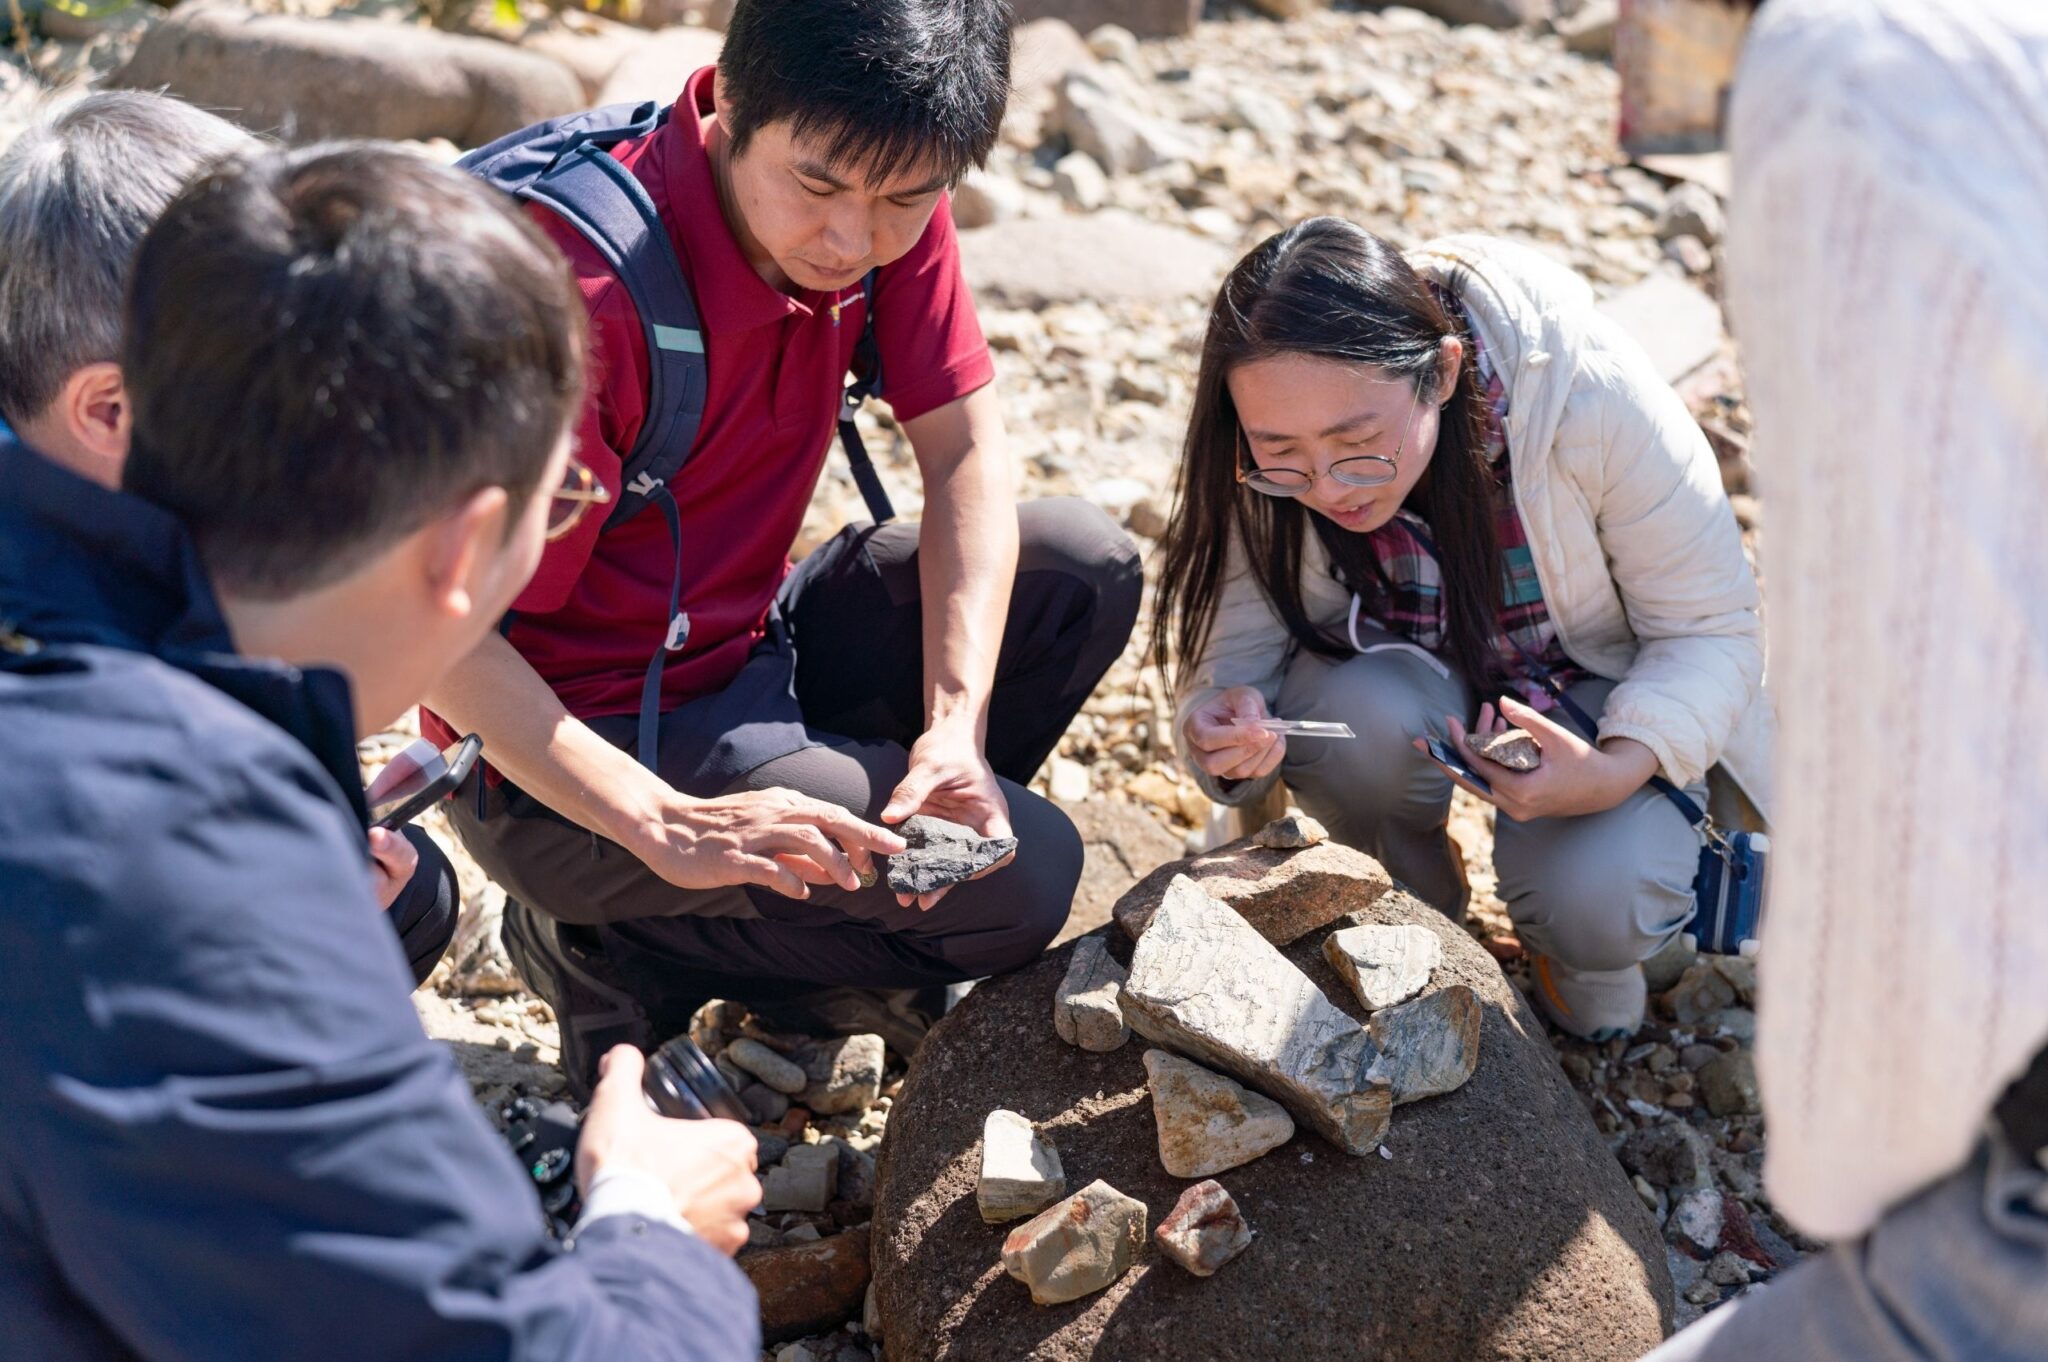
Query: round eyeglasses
point(1362, 470)
point(580, 490)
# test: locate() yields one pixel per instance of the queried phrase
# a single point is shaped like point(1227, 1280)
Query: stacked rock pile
point(1289, 1005)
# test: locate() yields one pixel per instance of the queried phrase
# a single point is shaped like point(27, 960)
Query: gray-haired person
point(78, 190)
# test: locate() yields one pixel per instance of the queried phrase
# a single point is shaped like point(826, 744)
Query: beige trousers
point(1598, 892)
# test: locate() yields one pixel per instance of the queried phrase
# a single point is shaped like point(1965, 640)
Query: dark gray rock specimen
point(942, 854)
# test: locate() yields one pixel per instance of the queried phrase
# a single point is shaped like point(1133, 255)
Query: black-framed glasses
point(1362, 470)
point(580, 490)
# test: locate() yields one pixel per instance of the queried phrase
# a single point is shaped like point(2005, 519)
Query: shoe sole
point(555, 978)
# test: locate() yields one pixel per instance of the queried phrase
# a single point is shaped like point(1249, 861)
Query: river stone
point(1284, 894)
point(942, 854)
point(1205, 984)
point(1384, 965)
point(1204, 1230)
point(1511, 748)
point(1085, 1010)
point(1207, 1123)
point(1078, 1247)
point(1020, 1170)
point(809, 1288)
point(778, 1072)
point(1502, 1229)
point(843, 1074)
point(1428, 1047)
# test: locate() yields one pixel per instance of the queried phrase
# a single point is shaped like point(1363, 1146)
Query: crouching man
point(352, 375)
point(78, 189)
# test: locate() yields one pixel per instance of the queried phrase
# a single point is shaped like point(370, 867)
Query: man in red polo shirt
point(901, 670)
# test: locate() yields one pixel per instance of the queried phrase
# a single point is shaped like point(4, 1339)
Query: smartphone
point(419, 777)
point(1452, 760)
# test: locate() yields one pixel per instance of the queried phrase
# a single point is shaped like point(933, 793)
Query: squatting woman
point(1414, 488)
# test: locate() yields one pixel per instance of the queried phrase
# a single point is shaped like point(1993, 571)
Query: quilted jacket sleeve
point(1675, 554)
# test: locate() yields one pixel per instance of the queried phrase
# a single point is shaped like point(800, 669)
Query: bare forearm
point(967, 565)
point(539, 746)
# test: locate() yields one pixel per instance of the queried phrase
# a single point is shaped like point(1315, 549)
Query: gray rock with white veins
point(1384, 965)
point(942, 854)
point(1430, 1046)
point(1205, 983)
point(1085, 1010)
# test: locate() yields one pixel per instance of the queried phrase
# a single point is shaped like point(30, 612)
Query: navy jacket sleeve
point(231, 1137)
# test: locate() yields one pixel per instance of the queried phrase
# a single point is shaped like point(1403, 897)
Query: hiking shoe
point(1592, 1005)
point(900, 1016)
point(564, 965)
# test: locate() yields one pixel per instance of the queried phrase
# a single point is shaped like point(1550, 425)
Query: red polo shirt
point(597, 608)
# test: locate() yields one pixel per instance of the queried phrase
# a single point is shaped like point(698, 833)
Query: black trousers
point(425, 912)
point(853, 612)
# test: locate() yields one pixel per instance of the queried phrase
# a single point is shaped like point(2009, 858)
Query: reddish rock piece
point(1203, 1231)
point(1285, 895)
point(809, 1288)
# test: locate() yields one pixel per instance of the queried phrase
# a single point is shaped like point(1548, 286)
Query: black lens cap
point(682, 1083)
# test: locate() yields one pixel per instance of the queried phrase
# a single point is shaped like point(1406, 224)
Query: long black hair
point(1332, 290)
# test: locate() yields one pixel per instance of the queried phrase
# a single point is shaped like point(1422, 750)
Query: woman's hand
point(1224, 740)
point(1576, 776)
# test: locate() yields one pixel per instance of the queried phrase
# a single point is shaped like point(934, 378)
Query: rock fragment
point(1699, 993)
point(805, 1180)
point(1204, 1230)
point(1203, 982)
point(1428, 1047)
point(1207, 1123)
point(1285, 895)
point(843, 1074)
point(1674, 1155)
point(1384, 965)
point(1291, 832)
point(809, 1288)
point(1077, 1247)
point(1513, 749)
point(777, 1071)
point(1020, 1169)
point(1696, 1221)
point(1085, 1010)
point(1729, 1084)
point(763, 1103)
point(941, 854)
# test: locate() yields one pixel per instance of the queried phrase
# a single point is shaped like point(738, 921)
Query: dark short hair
point(78, 189)
point(889, 84)
point(328, 347)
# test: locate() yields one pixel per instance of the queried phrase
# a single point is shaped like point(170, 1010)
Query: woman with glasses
point(1417, 492)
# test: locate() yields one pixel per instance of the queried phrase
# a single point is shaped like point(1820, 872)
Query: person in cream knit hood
point(1413, 487)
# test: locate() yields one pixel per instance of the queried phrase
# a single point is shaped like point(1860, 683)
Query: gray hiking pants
point(1598, 892)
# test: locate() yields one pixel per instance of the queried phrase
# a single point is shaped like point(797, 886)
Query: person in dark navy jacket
point(227, 1135)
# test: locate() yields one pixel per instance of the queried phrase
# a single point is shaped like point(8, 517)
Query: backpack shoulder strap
point(866, 382)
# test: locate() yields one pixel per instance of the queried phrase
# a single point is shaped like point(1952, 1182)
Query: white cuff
point(630, 1191)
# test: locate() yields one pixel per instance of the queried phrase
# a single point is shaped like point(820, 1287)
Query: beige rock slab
point(1020, 1169)
point(1077, 1247)
point(1208, 1123)
point(1430, 1046)
point(1284, 894)
point(1085, 1010)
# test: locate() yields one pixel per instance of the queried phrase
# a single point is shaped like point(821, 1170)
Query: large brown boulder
point(307, 79)
point(1497, 1227)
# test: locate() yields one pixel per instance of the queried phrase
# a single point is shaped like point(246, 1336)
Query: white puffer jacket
point(1637, 551)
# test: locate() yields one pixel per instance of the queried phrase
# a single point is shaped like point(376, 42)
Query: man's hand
point(707, 1165)
point(1576, 776)
point(392, 862)
point(777, 838)
point(1222, 737)
point(950, 778)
